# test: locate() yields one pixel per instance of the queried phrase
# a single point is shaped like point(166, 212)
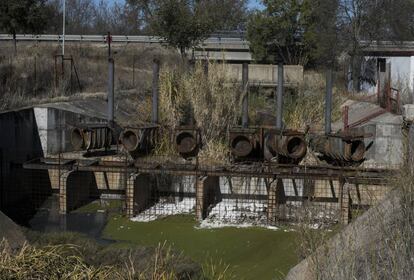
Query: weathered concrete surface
point(20, 143)
point(266, 75)
point(388, 147)
point(11, 232)
point(360, 236)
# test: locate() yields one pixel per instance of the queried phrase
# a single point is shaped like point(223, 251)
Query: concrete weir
point(256, 194)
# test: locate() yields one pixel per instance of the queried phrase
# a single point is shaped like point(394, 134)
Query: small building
point(375, 57)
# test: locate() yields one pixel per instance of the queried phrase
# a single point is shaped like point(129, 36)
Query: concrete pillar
point(75, 189)
point(344, 203)
point(139, 194)
point(275, 201)
point(63, 180)
point(207, 194)
point(129, 194)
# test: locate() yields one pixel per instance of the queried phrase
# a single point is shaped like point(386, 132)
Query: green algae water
point(251, 253)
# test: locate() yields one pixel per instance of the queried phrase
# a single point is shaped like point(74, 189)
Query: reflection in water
point(47, 219)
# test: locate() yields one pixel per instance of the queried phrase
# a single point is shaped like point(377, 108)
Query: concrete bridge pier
point(139, 193)
point(345, 203)
point(208, 194)
point(75, 189)
point(275, 201)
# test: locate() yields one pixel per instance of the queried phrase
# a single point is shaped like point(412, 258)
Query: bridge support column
point(275, 200)
point(63, 182)
point(344, 203)
point(207, 194)
point(76, 188)
point(138, 193)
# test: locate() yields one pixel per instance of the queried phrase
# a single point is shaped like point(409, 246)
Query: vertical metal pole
point(328, 102)
point(133, 71)
point(205, 67)
point(64, 27)
point(280, 92)
point(108, 39)
point(111, 78)
point(155, 89)
point(245, 108)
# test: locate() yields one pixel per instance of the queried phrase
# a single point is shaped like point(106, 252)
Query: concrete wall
point(55, 128)
point(20, 190)
point(266, 75)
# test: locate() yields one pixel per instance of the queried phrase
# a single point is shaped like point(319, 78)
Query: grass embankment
point(251, 253)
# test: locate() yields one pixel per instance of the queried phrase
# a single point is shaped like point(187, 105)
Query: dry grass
point(379, 247)
point(306, 107)
point(211, 102)
point(30, 75)
point(50, 262)
point(71, 262)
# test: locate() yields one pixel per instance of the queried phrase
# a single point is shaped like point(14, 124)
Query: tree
point(282, 30)
point(184, 23)
point(22, 16)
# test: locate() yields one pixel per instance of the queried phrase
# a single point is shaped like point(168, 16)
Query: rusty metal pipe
point(77, 139)
point(338, 149)
point(289, 146)
point(91, 138)
point(130, 139)
point(241, 146)
point(187, 142)
point(139, 140)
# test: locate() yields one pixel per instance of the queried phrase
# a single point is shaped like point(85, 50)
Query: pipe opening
point(241, 146)
point(76, 138)
point(186, 142)
point(357, 150)
point(129, 140)
point(296, 147)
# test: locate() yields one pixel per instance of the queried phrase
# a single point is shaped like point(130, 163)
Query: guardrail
point(115, 39)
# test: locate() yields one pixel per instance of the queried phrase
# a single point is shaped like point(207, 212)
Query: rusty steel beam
point(351, 175)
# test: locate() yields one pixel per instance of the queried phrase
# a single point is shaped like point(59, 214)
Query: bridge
point(235, 49)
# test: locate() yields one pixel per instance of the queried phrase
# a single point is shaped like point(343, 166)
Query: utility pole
point(63, 29)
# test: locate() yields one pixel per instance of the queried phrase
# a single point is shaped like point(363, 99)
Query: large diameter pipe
point(111, 78)
point(328, 103)
point(155, 90)
point(279, 98)
point(241, 146)
point(245, 108)
point(289, 146)
point(340, 150)
point(187, 143)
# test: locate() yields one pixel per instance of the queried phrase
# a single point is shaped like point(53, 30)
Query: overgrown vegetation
point(208, 100)
point(31, 77)
point(71, 256)
point(378, 246)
